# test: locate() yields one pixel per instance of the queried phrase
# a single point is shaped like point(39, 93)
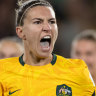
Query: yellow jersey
point(61, 77)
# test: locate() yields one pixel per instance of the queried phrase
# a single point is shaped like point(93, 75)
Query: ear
point(20, 33)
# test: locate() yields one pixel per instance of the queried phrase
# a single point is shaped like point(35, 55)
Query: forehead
point(38, 11)
point(84, 41)
point(85, 44)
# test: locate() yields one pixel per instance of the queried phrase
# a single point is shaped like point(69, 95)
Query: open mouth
point(45, 41)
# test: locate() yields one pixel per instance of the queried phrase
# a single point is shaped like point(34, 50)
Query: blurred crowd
point(73, 17)
point(11, 47)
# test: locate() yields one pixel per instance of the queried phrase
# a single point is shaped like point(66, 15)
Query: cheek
point(32, 39)
point(94, 57)
point(55, 38)
point(56, 35)
point(91, 59)
point(55, 32)
point(29, 34)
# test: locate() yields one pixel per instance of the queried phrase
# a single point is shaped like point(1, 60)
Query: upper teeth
point(47, 37)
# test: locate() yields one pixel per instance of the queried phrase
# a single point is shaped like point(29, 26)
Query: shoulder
point(8, 60)
point(9, 63)
point(78, 63)
point(75, 66)
point(77, 69)
point(68, 62)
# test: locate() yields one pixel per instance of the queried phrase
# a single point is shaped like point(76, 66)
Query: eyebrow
point(36, 19)
point(52, 19)
point(42, 19)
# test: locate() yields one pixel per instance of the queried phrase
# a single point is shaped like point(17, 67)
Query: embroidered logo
point(10, 93)
point(63, 90)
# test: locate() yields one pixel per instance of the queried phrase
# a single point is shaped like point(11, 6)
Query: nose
point(46, 27)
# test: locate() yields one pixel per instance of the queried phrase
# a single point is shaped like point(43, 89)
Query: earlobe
point(20, 33)
point(24, 37)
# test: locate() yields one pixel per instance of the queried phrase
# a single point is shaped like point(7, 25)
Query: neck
point(92, 70)
point(90, 67)
point(30, 59)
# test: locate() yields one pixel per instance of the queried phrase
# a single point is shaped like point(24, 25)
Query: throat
point(34, 61)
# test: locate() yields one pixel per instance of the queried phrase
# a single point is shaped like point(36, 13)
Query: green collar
point(21, 60)
point(52, 62)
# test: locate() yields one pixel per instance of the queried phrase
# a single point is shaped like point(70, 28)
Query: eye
point(52, 22)
point(89, 53)
point(78, 53)
point(37, 22)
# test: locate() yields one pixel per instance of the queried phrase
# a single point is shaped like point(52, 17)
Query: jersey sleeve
point(1, 90)
point(84, 79)
point(1, 87)
point(87, 80)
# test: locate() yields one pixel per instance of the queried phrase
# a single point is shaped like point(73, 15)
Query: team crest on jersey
point(63, 90)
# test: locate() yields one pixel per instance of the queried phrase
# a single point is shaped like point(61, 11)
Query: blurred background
point(73, 16)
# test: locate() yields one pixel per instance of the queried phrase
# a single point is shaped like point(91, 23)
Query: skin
point(86, 50)
point(10, 49)
point(39, 21)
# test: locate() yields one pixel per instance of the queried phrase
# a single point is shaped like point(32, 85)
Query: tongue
point(44, 44)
